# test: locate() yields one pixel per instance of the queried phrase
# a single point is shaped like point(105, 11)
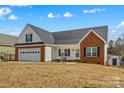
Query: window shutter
point(98, 51)
point(59, 52)
point(31, 37)
point(69, 52)
point(84, 51)
point(26, 37)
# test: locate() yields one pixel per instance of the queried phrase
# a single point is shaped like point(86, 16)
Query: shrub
point(122, 58)
point(81, 61)
point(1, 57)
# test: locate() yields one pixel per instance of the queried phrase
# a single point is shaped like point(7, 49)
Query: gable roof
point(69, 36)
point(45, 36)
point(91, 30)
point(7, 40)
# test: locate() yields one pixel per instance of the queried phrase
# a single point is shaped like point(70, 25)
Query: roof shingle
point(69, 36)
point(7, 40)
point(45, 36)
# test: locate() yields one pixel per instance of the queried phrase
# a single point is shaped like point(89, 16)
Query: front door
point(114, 61)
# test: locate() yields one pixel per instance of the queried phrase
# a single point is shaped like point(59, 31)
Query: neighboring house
point(36, 44)
point(7, 45)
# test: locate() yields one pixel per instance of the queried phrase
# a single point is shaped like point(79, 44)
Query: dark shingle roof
point(7, 40)
point(45, 36)
point(74, 36)
point(70, 36)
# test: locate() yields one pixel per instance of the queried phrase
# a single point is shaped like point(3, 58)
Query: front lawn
point(59, 75)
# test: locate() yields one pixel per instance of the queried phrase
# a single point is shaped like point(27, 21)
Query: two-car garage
point(29, 54)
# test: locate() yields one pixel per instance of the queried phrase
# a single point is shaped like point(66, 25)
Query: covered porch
point(65, 53)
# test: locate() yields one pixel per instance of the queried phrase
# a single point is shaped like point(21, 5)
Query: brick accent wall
point(92, 40)
point(42, 52)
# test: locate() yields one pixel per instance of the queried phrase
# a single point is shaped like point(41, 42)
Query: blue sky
point(59, 18)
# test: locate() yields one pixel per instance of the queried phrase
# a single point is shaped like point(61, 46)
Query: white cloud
point(14, 33)
point(51, 15)
point(114, 35)
point(114, 31)
point(13, 17)
point(67, 14)
point(5, 11)
point(121, 25)
point(94, 10)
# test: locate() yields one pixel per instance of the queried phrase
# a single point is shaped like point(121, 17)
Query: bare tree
point(110, 47)
point(111, 43)
point(119, 46)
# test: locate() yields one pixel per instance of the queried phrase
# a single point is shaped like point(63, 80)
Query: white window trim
point(67, 52)
point(91, 52)
point(29, 38)
point(76, 53)
point(62, 52)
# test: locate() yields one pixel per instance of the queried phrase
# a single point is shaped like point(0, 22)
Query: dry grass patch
point(59, 75)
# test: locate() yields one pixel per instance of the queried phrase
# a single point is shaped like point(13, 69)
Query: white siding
point(48, 54)
point(54, 52)
point(7, 50)
point(62, 47)
point(105, 54)
point(28, 30)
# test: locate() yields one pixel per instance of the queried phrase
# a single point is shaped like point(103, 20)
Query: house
point(115, 60)
point(36, 44)
point(7, 46)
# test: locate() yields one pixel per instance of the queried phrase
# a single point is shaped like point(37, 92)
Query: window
point(28, 37)
point(94, 51)
point(91, 51)
point(67, 52)
point(77, 53)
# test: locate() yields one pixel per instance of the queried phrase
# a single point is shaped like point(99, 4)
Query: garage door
point(29, 54)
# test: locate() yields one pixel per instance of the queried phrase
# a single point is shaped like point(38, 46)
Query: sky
point(62, 17)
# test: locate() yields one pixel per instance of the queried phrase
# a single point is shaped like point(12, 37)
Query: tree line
point(116, 47)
